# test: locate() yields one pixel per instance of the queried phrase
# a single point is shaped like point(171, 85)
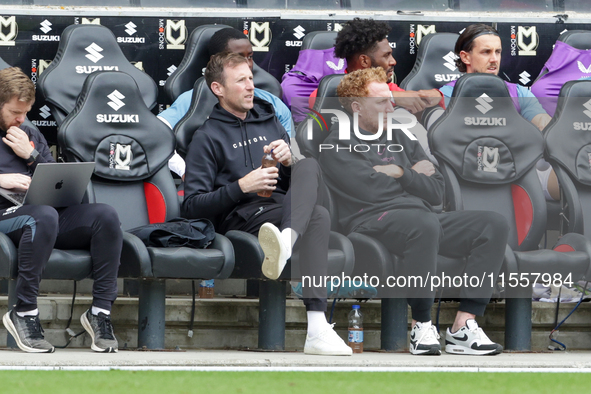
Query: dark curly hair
point(219, 41)
point(360, 36)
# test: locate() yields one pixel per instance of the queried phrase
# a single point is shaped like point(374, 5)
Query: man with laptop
point(37, 229)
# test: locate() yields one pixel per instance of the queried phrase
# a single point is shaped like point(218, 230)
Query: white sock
point(289, 237)
point(34, 312)
point(316, 322)
point(95, 311)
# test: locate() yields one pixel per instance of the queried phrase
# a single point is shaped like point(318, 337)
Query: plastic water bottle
point(268, 161)
point(206, 288)
point(356, 330)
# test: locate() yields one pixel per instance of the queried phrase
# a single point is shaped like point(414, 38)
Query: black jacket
point(222, 151)
point(10, 163)
point(360, 192)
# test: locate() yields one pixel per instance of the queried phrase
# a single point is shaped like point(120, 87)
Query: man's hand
point(431, 97)
point(281, 152)
point(391, 170)
point(424, 167)
point(409, 100)
point(15, 181)
point(259, 180)
point(541, 120)
point(18, 140)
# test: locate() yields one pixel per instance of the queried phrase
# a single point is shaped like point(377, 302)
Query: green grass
point(144, 382)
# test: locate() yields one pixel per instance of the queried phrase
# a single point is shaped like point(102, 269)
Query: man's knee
point(103, 214)
point(425, 224)
point(495, 222)
point(321, 216)
point(44, 218)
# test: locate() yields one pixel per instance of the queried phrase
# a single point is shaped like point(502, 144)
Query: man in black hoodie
point(387, 192)
point(223, 179)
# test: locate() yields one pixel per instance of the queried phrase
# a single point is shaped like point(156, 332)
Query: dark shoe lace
point(34, 329)
point(105, 327)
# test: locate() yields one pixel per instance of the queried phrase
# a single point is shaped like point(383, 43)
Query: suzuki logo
point(337, 67)
point(484, 101)
point(130, 28)
point(138, 65)
point(116, 98)
point(45, 26)
point(299, 32)
point(529, 49)
point(44, 112)
point(93, 52)
point(338, 27)
point(588, 110)
point(181, 29)
point(524, 78)
point(423, 30)
point(261, 45)
point(7, 39)
point(586, 70)
point(450, 61)
point(170, 70)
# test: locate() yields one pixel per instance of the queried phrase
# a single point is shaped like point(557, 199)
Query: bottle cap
point(355, 306)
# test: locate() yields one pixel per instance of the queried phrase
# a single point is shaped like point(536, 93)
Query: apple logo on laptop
point(59, 185)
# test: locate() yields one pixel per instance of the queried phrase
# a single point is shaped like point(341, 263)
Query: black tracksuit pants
point(37, 229)
point(302, 210)
point(419, 236)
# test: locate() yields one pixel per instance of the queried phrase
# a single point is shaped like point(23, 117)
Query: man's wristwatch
point(33, 157)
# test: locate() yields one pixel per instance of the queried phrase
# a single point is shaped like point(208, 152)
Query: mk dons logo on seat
point(120, 156)
point(181, 34)
point(519, 40)
point(8, 31)
point(488, 159)
point(259, 35)
point(94, 52)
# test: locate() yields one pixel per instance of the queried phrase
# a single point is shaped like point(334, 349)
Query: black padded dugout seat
point(492, 167)
point(249, 255)
point(435, 63)
point(84, 49)
point(112, 126)
point(568, 149)
point(195, 60)
point(319, 40)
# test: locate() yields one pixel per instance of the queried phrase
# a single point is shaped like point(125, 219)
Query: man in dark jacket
point(223, 179)
point(385, 188)
point(37, 229)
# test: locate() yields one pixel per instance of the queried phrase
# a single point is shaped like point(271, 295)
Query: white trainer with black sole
point(470, 340)
point(276, 252)
point(424, 340)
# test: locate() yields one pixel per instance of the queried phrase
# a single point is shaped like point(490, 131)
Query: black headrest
point(202, 103)
point(319, 40)
point(194, 61)
point(580, 39)
point(568, 135)
point(265, 81)
point(84, 49)
point(325, 99)
point(482, 136)
point(112, 126)
point(435, 63)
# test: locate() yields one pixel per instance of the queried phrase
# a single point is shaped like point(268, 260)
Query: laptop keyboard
point(20, 197)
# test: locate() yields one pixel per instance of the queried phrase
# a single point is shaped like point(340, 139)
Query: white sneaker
point(327, 343)
point(424, 339)
point(276, 252)
point(470, 339)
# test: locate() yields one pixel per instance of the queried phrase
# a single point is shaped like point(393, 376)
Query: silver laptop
point(54, 184)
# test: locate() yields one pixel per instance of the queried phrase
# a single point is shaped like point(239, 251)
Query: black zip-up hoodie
point(222, 151)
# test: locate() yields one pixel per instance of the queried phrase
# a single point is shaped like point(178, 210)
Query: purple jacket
point(565, 64)
point(305, 76)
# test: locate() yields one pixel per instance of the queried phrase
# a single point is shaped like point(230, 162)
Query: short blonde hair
point(355, 84)
point(14, 83)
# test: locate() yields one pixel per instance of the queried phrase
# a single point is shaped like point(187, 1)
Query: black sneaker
point(27, 332)
point(101, 331)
